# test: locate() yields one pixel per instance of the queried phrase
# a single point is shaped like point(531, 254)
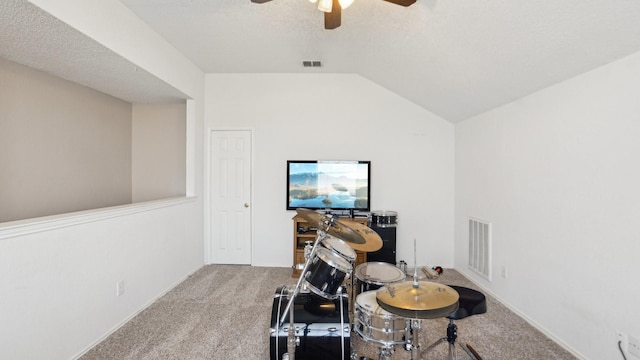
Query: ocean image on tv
point(322, 185)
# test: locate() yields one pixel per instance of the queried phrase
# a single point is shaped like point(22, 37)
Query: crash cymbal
point(359, 236)
point(313, 217)
point(372, 241)
point(420, 300)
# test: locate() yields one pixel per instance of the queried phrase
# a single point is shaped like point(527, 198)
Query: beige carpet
point(224, 312)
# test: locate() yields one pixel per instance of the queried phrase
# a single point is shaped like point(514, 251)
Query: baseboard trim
point(530, 321)
point(130, 317)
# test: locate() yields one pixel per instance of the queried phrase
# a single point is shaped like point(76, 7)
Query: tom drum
point(326, 272)
point(384, 218)
point(374, 275)
point(339, 247)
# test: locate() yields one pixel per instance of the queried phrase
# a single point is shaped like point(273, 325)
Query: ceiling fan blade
point(333, 19)
point(260, 1)
point(402, 2)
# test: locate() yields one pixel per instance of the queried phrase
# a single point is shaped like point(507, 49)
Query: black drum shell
point(384, 218)
point(319, 315)
point(326, 272)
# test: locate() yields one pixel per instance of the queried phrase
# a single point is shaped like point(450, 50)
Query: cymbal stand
point(386, 352)
point(414, 339)
point(291, 341)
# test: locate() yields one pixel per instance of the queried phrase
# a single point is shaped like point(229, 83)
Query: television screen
point(333, 185)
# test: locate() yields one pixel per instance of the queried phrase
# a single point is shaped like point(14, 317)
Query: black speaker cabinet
point(388, 251)
point(319, 330)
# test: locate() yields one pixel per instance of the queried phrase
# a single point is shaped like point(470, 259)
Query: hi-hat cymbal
point(427, 300)
point(358, 236)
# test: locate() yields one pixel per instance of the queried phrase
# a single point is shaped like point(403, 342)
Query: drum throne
point(471, 302)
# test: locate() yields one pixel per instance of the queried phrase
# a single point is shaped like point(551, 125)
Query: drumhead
point(334, 260)
point(340, 247)
point(384, 213)
point(379, 273)
point(367, 301)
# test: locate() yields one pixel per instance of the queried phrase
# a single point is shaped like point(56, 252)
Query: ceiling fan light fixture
point(325, 5)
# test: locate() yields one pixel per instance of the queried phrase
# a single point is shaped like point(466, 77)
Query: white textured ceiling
point(456, 58)
point(32, 37)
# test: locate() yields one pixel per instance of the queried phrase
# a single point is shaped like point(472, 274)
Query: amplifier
point(319, 330)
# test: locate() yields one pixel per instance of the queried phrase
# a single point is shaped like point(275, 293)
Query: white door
point(230, 197)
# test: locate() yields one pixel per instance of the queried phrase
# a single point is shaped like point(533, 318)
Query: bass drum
point(373, 323)
point(384, 218)
point(374, 275)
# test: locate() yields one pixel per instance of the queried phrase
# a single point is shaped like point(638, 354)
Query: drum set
point(385, 308)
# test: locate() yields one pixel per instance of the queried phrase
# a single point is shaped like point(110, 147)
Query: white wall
point(341, 117)
point(58, 274)
point(556, 173)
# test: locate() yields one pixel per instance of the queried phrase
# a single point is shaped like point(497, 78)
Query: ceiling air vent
point(310, 63)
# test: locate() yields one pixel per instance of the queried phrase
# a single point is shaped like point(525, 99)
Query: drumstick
point(429, 273)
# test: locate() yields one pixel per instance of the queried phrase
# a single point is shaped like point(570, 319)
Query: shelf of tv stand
point(299, 240)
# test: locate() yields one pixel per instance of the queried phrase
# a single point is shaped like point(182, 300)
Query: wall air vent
point(480, 247)
point(311, 63)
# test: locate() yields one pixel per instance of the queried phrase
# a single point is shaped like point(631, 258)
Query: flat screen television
point(329, 185)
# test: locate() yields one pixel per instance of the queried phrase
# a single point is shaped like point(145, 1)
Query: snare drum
point(374, 275)
point(383, 218)
point(326, 272)
point(373, 323)
point(339, 247)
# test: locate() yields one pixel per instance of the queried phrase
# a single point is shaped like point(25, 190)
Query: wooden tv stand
point(299, 239)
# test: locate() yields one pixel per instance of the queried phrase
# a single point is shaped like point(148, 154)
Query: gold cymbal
point(427, 300)
point(358, 236)
point(372, 241)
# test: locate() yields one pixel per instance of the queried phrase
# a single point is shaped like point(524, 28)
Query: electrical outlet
point(504, 272)
point(634, 346)
point(120, 288)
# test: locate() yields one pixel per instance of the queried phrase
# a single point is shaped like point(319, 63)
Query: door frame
point(208, 241)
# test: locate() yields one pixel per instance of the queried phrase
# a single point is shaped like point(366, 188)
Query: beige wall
point(159, 151)
point(63, 147)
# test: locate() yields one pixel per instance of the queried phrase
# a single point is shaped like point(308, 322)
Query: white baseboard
point(126, 320)
point(531, 322)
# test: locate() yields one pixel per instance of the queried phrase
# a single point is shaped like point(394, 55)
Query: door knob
point(246, 205)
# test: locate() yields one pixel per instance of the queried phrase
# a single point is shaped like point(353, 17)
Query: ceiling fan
point(333, 9)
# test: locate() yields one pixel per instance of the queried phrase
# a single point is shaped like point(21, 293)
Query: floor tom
point(374, 275)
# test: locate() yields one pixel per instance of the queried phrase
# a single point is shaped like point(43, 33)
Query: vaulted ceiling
point(455, 58)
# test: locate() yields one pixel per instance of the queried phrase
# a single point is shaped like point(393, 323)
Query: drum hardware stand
point(452, 335)
point(339, 292)
point(308, 248)
point(291, 339)
point(386, 352)
point(412, 344)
